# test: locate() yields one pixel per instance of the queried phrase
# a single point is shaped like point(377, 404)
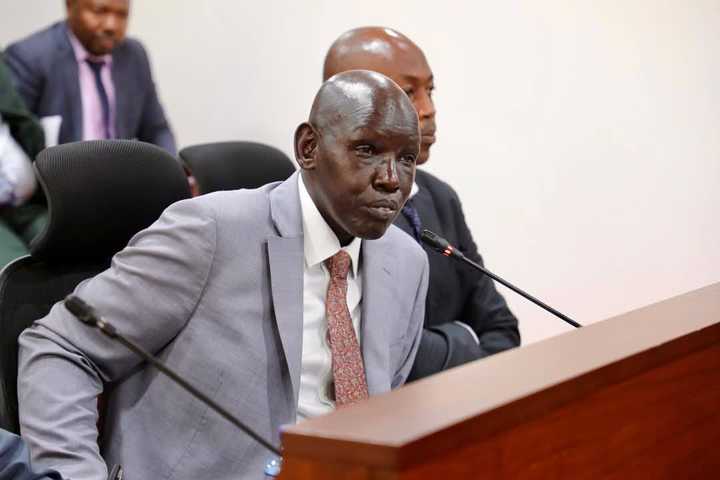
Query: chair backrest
point(234, 165)
point(99, 194)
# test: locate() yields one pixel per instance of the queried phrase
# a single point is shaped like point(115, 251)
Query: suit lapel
point(285, 257)
point(121, 83)
point(72, 124)
point(378, 308)
point(423, 202)
point(72, 90)
point(286, 260)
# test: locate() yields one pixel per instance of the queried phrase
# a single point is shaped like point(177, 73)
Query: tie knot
point(339, 265)
point(95, 65)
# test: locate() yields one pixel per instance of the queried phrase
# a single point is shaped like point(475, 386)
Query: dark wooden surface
point(637, 395)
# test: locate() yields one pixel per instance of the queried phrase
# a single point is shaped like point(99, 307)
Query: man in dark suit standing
point(465, 317)
point(87, 73)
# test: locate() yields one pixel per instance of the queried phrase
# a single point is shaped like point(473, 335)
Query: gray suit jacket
point(45, 73)
point(215, 288)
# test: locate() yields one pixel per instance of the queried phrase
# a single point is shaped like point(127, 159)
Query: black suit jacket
point(25, 130)
point(45, 73)
point(456, 292)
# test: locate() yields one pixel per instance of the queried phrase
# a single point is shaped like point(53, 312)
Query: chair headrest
point(100, 193)
point(234, 165)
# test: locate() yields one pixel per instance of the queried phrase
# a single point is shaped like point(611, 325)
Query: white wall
point(582, 136)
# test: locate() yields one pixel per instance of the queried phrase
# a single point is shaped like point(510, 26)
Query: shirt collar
point(320, 242)
point(81, 54)
point(414, 190)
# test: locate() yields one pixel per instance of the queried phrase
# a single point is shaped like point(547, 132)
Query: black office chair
point(99, 194)
point(234, 165)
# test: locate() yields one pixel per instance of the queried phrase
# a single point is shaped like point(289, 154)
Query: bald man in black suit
point(465, 317)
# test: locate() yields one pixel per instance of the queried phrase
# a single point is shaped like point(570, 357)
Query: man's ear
point(306, 140)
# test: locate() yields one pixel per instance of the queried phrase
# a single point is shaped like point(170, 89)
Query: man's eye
point(431, 90)
point(410, 92)
point(408, 158)
point(366, 150)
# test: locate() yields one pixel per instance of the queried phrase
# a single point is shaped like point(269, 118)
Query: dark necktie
point(347, 363)
point(96, 67)
point(413, 217)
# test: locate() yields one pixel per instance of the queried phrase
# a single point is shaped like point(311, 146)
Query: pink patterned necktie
point(347, 362)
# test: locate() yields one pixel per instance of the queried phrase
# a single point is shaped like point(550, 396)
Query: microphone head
point(438, 243)
point(433, 240)
point(80, 309)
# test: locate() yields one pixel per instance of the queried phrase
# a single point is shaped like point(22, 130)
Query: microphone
point(87, 315)
point(438, 243)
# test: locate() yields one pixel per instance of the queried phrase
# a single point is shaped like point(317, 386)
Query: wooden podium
point(635, 396)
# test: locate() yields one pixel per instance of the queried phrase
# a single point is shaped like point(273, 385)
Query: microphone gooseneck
point(438, 243)
point(87, 315)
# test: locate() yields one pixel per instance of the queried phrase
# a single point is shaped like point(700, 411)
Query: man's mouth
point(428, 139)
point(427, 135)
point(106, 41)
point(383, 209)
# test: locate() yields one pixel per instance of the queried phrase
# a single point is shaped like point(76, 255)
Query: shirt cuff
point(467, 327)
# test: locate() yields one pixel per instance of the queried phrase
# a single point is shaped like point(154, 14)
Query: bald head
point(357, 97)
point(358, 48)
point(391, 53)
point(358, 152)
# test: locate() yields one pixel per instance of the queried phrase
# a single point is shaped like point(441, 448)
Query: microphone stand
point(86, 314)
point(438, 243)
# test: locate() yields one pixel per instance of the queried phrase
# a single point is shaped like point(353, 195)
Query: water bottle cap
point(272, 467)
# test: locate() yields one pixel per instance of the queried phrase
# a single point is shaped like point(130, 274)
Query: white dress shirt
point(17, 179)
point(321, 243)
point(92, 116)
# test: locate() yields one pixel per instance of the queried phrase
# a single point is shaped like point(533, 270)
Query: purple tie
point(413, 217)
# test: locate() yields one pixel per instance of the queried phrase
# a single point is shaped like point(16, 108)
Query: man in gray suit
point(87, 73)
point(281, 303)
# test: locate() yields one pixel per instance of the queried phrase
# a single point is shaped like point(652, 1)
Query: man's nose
point(387, 177)
point(110, 23)
point(424, 105)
